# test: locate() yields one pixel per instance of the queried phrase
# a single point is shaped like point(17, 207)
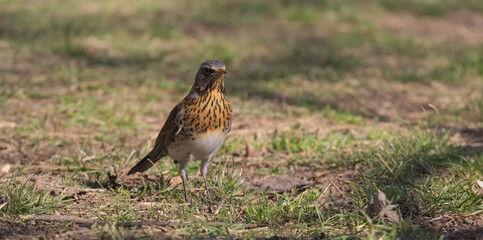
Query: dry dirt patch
point(458, 26)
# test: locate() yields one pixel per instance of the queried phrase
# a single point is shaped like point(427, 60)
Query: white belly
point(202, 147)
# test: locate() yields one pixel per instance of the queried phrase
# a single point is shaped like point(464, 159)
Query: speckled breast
point(206, 121)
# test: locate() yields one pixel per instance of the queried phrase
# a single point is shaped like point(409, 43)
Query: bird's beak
point(221, 71)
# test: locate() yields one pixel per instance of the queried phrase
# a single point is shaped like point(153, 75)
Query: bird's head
point(210, 72)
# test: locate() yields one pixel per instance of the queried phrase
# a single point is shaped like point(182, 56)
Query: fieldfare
point(196, 127)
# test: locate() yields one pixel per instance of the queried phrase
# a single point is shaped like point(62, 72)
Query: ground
point(334, 102)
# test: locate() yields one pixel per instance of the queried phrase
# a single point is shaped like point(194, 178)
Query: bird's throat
point(217, 85)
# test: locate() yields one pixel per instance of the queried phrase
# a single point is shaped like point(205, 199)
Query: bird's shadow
point(132, 184)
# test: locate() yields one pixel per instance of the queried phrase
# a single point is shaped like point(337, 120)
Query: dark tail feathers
point(142, 166)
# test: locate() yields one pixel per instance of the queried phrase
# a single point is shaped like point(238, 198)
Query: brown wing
point(170, 129)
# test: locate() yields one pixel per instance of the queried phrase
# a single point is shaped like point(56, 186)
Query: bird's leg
point(204, 172)
point(182, 174)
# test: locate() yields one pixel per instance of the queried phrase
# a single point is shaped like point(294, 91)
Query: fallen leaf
point(175, 181)
point(377, 204)
point(378, 208)
point(391, 213)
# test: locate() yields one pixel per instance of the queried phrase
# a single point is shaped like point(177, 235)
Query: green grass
point(417, 171)
point(22, 198)
point(423, 169)
point(432, 8)
point(415, 184)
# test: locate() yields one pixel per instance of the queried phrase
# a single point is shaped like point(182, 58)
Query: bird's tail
point(142, 165)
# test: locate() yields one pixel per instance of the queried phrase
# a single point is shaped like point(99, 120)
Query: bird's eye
point(208, 71)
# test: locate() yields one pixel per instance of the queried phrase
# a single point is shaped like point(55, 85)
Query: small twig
point(337, 188)
point(220, 205)
point(51, 168)
point(433, 107)
point(325, 190)
point(88, 222)
point(385, 164)
point(128, 158)
point(436, 218)
point(60, 218)
point(85, 159)
point(75, 232)
point(158, 204)
point(88, 190)
point(3, 205)
point(251, 230)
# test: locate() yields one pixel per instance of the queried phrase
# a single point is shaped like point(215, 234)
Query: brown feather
point(170, 129)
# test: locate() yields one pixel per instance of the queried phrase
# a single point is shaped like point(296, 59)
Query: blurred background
point(372, 58)
point(73, 72)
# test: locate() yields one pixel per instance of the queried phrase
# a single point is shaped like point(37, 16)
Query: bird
point(196, 128)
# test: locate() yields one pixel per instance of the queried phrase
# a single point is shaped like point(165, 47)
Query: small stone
point(6, 168)
point(480, 184)
point(280, 183)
